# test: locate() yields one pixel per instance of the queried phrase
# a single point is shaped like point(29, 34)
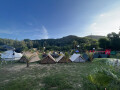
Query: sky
point(43, 19)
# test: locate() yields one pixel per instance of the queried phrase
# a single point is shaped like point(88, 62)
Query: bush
point(118, 55)
point(90, 55)
point(101, 79)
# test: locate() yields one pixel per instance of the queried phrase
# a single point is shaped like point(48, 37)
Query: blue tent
point(77, 51)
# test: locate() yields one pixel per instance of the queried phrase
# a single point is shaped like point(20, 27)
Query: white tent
point(77, 58)
point(10, 55)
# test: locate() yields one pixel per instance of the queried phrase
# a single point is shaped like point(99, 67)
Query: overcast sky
point(42, 19)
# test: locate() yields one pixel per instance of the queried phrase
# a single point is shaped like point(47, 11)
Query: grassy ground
point(46, 76)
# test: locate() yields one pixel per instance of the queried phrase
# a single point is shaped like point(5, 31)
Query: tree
point(114, 41)
point(104, 43)
point(74, 44)
point(66, 56)
point(28, 58)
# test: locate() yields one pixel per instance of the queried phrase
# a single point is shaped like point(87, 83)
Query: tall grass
point(57, 82)
point(21, 84)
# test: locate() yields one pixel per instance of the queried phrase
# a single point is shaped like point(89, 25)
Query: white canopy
point(11, 55)
point(76, 58)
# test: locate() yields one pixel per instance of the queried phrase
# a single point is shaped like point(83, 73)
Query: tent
point(62, 59)
point(103, 55)
point(48, 60)
point(10, 55)
point(86, 57)
point(34, 57)
point(96, 55)
point(77, 51)
point(77, 58)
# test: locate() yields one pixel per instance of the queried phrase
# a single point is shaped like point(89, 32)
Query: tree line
point(112, 41)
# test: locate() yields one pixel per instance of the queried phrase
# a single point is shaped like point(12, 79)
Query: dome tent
point(10, 55)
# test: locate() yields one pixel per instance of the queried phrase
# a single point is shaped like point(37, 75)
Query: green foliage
point(28, 58)
point(111, 42)
point(56, 81)
point(40, 77)
point(67, 43)
point(104, 43)
point(97, 37)
point(63, 44)
point(103, 78)
point(66, 55)
point(118, 55)
point(114, 41)
point(75, 44)
point(90, 55)
point(20, 84)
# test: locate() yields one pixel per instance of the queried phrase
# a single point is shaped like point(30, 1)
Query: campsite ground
point(46, 76)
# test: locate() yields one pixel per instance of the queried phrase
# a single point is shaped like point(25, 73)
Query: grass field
point(69, 76)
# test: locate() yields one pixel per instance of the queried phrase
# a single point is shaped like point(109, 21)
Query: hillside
point(63, 44)
point(97, 37)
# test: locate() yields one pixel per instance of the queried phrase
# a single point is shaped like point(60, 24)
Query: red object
point(92, 50)
point(107, 51)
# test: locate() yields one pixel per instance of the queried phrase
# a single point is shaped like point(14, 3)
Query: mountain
point(97, 37)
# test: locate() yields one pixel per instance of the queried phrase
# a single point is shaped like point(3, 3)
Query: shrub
point(66, 56)
point(118, 55)
point(90, 55)
point(101, 79)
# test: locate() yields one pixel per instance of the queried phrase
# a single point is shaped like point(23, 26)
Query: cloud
point(45, 32)
point(6, 32)
point(106, 23)
point(41, 33)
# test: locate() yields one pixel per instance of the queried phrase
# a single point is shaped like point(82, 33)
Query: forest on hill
point(112, 41)
point(97, 37)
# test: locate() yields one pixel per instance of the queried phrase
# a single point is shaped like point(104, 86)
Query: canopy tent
point(33, 57)
point(10, 55)
point(62, 59)
point(77, 58)
point(48, 60)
